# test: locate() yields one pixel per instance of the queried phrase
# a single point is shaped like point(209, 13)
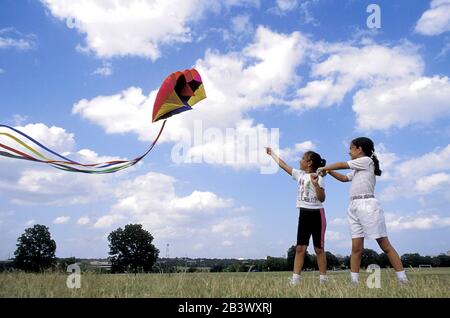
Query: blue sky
point(81, 77)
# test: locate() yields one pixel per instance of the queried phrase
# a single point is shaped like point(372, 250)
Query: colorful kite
point(178, 93)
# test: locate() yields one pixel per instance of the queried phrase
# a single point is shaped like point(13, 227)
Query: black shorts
point(311, 222)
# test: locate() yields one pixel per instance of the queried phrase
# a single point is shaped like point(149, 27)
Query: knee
point(300, 249)
point(357, 250)
point(319, 251)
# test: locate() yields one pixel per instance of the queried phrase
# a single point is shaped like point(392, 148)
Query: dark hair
point(316, 160)
point(368, 148)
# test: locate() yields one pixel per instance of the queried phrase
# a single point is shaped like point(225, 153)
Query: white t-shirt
point(362, 177)
point(306, 192)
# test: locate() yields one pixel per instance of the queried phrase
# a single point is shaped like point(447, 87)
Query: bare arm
point(283, 165)
point(336, 166)
point(320, 192)
point(338, 176)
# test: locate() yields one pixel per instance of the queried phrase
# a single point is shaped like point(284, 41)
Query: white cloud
point(391, 90)
point(143, 25)
point(338, 221)
point(294, 154)
point(105, 70)
point(84, 220)
point(53, 137)
point(287, 5)
point(241, 24)
point(11, 38)
point(349, 66)
point(238, 226)
point(334, 236)
point(398, 104)
point(435, 20)
point(200, 201)
point(30, 222)
point(107, 221)
point(128, 111)
point(418, 177)
point(436, 161)
point(416, 222)
point(432, 183)
point(61, 220)
point(151, 200)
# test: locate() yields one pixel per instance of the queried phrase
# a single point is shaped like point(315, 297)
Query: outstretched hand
point(268, 150)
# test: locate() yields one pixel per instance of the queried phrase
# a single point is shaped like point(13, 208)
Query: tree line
point(132, 251)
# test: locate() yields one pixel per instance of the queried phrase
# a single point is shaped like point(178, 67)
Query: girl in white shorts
point(365, 214)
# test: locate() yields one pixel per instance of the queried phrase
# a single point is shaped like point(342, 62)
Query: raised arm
point(283, 165)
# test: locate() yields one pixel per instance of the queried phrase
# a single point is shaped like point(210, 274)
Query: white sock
point(323, 278)
point(401, 276)
point(354, 277)
point(295, 278)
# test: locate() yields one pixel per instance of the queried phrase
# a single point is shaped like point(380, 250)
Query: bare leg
point(300, 252)
point(321, 260)
point(357, 249)
point(391, 253)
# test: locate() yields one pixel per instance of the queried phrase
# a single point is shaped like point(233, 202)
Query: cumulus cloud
point(435, 20)
point(294, 153)
point(84, 220)
point(412, 178)
point(61, 220)
point(419, 221)
point(152, 200)
point(145, 26)
point(348, 66)
point(142, 25)
point(399, 104)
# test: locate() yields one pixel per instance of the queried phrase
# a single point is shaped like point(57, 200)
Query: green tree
point(291, 256)
point(383, 260)
point(369, 257)
point(131, 249)
point(35, 249)
point(332, 261)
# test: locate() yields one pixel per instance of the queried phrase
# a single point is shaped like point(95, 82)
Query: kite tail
point(66, 164)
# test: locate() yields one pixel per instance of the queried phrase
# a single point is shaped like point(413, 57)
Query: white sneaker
point(293, 282)
point(403, 282)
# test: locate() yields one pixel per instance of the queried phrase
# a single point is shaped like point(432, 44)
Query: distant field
point(423, 283)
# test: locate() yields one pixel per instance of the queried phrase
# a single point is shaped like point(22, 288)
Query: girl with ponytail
point(365, 215)
point(311, 221)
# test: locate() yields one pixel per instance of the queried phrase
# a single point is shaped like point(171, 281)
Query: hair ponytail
point(316, 159)
point(368, 148)
point(376, 162)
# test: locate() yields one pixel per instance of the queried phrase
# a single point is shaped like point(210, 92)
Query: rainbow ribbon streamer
point(66, 164)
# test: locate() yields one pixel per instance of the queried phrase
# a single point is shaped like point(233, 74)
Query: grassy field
point(423, 283)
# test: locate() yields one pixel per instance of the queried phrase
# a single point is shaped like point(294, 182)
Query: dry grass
point(424, 283)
